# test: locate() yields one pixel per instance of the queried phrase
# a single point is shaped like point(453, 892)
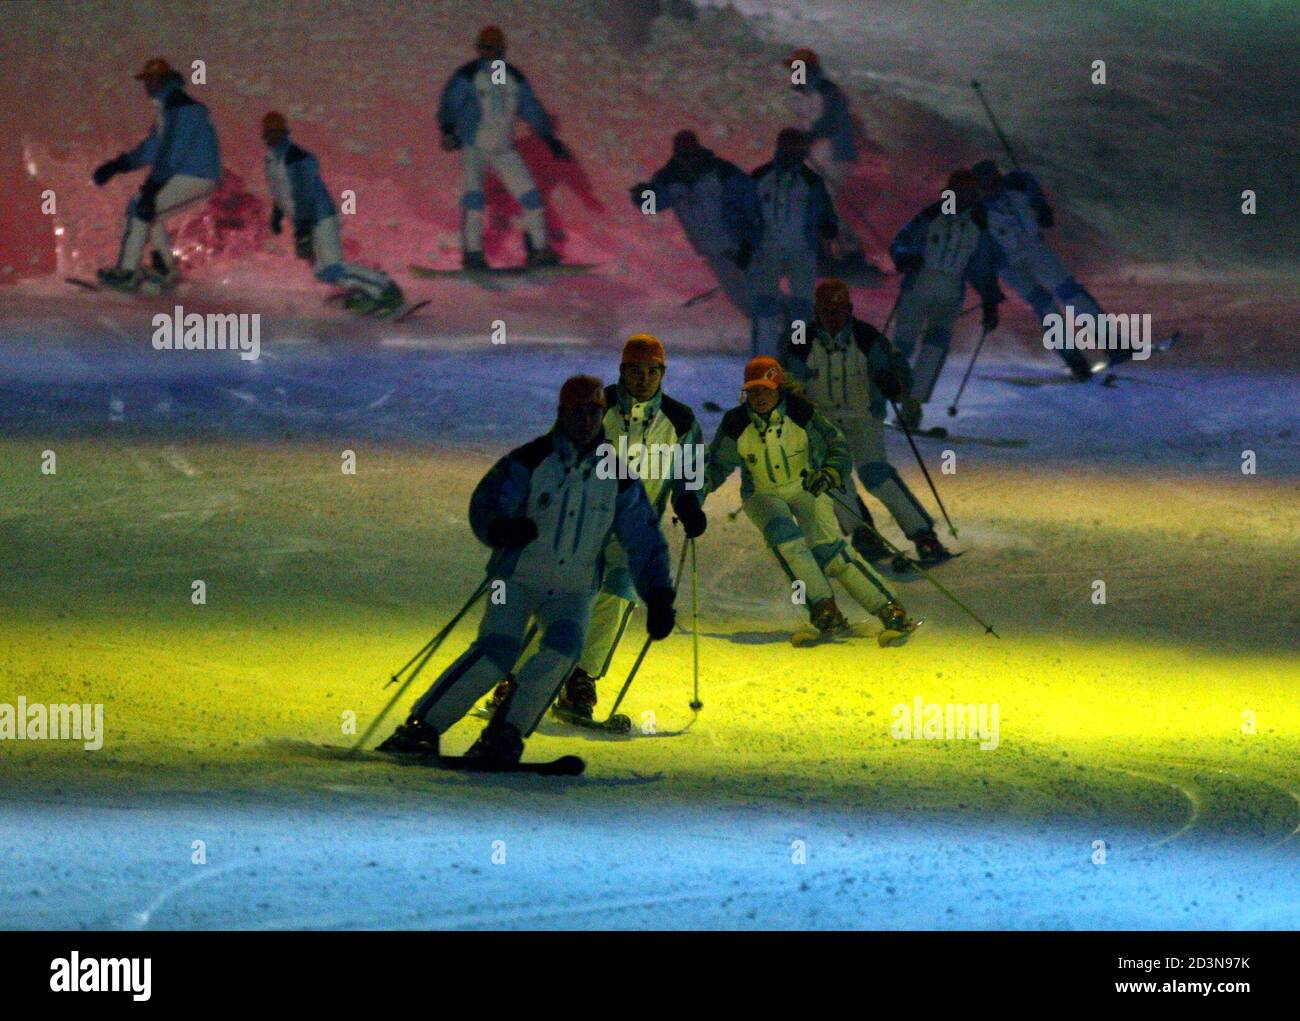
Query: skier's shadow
point(750, 637)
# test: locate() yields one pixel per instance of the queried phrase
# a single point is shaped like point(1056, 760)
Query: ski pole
point(988, 628)
point(696, 704)
point(952, 408)
point(890, 318)
point(996, 126)
point(681, 564)
point(427, 652)
point(436, 640)
point(924, 470)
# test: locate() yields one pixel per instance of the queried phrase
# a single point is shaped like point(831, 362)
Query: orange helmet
point(274, 121)
point(155, 67)
point(582, 392)
point(763, 371)
point(491, 38)
point(643, 349)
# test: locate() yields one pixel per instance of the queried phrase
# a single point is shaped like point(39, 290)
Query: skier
point(547, 513)
point(850, 371)
point(822, 111)
point(644, 419)
point(298, 193)
point(477, 113)
point(1018, 213)
point(184, 166)
point(717, 206)
point(797, 215)
point(790, 457)
point(938, 253)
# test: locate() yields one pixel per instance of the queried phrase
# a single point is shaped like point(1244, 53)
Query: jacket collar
point(775, 417)
point(836, 342)
point(626, 402)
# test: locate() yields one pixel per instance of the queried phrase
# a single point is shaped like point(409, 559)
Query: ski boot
point(389, 303)
point(167, 275)
point(499, 694)
point(826, 616)
point(120, 279)
point(500, 743)
point(929, 550)
point(414, 737)
point(898, 625)
point(473, 261)
point(871, 547)
point(540, 257)
point(578, 698)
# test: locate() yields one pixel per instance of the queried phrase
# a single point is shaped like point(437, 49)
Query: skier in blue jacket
point(940, 251)
point(548, 513)
point(184, 167)
point(797, 216)
point(477, 114)
point(717, 205)
point(822, 110)
point(1018, 212)
point(299, 195)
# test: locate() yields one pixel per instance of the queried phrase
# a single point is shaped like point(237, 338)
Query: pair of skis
point(807, 637)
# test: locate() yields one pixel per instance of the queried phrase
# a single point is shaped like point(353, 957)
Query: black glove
point(888, 383)
point(660, 615)
point(1046, 217)
point(146, 204)
point(105, 172)
point(277, 220)
point(691, 515)
point(450, 141)
point(302, 241)
point(990, 320)
point(744, 255)
point(909, 262)
point(511, 533)
point(821, 481)
point(558, 149)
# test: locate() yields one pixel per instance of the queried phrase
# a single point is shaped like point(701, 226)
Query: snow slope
point(1120, 723)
